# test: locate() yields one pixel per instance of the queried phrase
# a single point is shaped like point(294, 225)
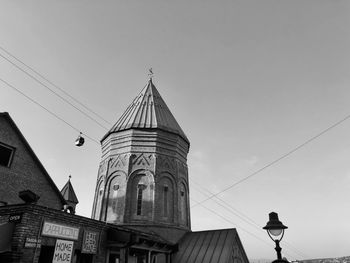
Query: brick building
point(140, 212)
point(36, 229)
point(20, 169)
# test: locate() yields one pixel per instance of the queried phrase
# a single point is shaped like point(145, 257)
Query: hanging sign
point(63, 251)
point(61, 231)
point(90, 242)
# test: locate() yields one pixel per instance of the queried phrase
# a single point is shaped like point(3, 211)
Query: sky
point(248, 82)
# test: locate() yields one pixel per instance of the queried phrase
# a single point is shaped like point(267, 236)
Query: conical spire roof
point(68, 193)
point(148, 110)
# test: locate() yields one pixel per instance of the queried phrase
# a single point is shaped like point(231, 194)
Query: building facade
point(21, 170)
point(43, 235)
point(141, 211)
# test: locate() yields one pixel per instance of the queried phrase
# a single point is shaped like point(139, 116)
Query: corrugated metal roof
point(68, 193)
point(148, 110)
point(214, 246)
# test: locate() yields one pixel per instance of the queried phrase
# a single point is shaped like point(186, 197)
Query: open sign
point(16, 218)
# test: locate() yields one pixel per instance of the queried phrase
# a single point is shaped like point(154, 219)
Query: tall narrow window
point(165, 200)
point(140, 188)
point(183, 206)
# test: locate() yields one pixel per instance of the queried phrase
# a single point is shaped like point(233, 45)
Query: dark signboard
point(15, 218)
point(90, 242)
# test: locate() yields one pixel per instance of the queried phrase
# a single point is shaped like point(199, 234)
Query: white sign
point(62, 231)
point(32, 242)
point(63, 251)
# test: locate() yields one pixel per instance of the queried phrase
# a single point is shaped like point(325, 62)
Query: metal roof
point(213, 246)
point(148, 111)
point(68, 193)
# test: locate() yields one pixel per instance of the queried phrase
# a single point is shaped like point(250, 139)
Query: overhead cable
point(53, 84)
point(47, 110)
point(239, 227)
point(242, 216)
point(54, 92)
point(277, 160)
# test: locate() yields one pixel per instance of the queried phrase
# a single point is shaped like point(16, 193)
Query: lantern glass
point(275, 232)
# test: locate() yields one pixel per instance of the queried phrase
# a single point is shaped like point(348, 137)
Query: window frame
point(165, 200)
point(139, 198)
point(13, 149)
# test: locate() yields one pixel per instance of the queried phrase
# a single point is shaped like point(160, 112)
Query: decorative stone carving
point(142, 159)
point(118, 162)
point(182, 170)
point(165, 163)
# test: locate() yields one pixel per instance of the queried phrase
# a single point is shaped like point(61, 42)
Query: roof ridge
point(211, 230)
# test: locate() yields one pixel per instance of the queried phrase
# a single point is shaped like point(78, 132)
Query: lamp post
point(275, 229)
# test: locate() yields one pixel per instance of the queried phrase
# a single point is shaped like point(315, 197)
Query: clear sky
point(248, 81)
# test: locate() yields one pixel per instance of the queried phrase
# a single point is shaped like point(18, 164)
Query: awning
point(114, 235)
point(6, 231)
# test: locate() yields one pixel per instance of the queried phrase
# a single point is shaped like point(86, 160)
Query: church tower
point(142, 180)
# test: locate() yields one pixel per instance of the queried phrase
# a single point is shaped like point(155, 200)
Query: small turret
point(70, 197)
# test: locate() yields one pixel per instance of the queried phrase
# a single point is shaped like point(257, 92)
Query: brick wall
point(153, 158)
point(30, 226)
point(24, 172)
point(121, 237)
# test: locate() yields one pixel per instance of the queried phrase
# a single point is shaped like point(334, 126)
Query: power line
point(55, 93)
point(278, 159)
point(242, 216)
point(241, 228)
point(229, 207)
point(50, 82)
point(47, 110)
point(245, 218)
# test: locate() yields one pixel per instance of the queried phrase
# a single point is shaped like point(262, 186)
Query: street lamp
point(275, 229)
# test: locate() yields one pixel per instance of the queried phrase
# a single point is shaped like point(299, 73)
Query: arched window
point(165, 198)
point(115, 198)
point(141, 200)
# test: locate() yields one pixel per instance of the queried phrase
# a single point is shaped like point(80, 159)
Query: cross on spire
point(150, 74)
